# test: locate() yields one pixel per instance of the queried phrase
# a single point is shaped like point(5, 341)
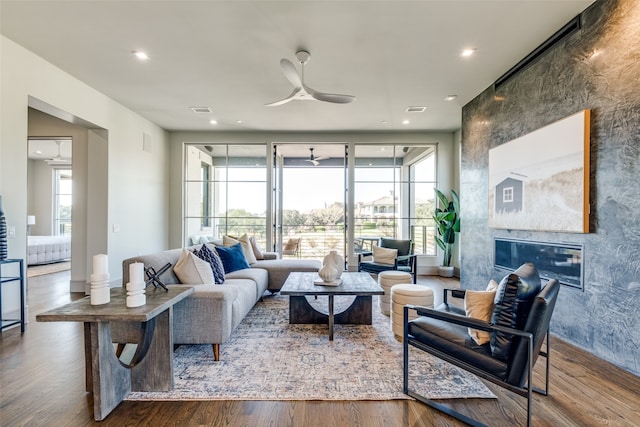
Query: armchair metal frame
point(525, 391)
point(376, 268)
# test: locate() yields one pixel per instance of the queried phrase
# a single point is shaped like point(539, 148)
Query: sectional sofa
point(212, 312)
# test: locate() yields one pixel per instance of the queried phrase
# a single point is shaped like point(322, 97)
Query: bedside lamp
point(31, 220)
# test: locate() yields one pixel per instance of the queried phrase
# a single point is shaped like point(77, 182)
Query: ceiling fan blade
point(285, 100)
point(333, 97)
point(322, 158)
point(314, 162)
point(290, 72)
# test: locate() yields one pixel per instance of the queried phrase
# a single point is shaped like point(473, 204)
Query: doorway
point(49, 204)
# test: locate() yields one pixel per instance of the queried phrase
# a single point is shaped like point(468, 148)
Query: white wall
point(135, 192)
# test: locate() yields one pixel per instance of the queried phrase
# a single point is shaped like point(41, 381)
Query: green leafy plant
point(447, 221)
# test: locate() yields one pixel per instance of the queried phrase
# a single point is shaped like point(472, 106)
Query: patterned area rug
point(266, 358)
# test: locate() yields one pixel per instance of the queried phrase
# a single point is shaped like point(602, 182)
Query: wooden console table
point(107, 377)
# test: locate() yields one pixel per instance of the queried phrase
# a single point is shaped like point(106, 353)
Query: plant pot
point(445, 271)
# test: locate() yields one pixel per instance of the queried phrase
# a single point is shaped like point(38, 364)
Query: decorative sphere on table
point(328, 273)
point(336, 260)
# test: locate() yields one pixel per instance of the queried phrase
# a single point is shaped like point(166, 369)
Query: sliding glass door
point(394, 195)
point(310, 197)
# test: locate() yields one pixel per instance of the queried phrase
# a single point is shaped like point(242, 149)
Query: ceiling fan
point(58, 159)
point(302, 92)
point(315, 160)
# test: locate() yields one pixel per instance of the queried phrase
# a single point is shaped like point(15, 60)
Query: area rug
point(41, 270)
point(266, 358)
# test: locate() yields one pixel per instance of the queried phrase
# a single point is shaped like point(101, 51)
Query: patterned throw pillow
point(214, 260)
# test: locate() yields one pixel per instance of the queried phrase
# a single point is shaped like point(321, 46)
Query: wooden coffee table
point(151, 367)
point(300, 285)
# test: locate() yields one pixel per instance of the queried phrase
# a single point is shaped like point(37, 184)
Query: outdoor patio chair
point(292, 247)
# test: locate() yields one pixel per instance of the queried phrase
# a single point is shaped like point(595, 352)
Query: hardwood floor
point(42, 384)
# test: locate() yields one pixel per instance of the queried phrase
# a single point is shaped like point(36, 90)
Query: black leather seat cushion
point(455, 341)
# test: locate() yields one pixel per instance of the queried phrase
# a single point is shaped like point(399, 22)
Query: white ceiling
point(225, 55)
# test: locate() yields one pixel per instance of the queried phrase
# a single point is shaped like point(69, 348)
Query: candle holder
point(135, 288)
point(100, 291)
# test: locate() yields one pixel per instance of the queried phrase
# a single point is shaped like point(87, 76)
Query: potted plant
point(447, 219)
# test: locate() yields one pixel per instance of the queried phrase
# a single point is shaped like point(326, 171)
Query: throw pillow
point(384, 255)
point(192, 270)
point(214, 261)
point(232, 258)
point(248, 249)
point(514, 297)
point(479, 305)
point(256, 250)
point(246, 246)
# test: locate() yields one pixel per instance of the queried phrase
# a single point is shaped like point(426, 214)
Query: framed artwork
point(540, 181)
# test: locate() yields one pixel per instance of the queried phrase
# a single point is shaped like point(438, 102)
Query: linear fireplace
point(561, 261)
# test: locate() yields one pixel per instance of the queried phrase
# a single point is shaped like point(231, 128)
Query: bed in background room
point(48, 249)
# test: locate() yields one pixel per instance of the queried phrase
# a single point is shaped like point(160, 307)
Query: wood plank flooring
point(42, 384)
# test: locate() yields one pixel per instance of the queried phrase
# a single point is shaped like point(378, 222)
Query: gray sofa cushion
point(279, 269)
point(258, 276)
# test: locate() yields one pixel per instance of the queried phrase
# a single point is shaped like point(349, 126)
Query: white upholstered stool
point(386, 279)
point(407, 294)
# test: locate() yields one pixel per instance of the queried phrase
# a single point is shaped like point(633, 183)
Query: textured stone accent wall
point(604, 319)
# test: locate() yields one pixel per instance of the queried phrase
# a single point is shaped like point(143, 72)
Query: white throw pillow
point(384, 255)
point(479, 305)
point(246, 246)
point(256, 249)
point(192, 270)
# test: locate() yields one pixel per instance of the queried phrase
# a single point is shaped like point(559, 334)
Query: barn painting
point(509, 195)
point(540, 181)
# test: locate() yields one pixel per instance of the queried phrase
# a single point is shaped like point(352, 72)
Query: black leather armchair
point(518, 328)
point(405, 261)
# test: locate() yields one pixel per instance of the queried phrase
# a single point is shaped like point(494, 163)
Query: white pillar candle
point(136, 272)
point(100, 264)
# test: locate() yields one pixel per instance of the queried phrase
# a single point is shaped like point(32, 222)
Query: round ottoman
point(407, 294)
point(386, 280)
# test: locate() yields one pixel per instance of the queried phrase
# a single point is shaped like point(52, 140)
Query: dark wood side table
point(151, 367)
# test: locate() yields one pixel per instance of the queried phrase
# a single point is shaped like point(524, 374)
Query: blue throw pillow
point(214, 261)
point(232, 257)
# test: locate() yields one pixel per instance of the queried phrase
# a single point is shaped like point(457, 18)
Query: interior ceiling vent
point(201, 109)
point(571, 27)
point(415, 109)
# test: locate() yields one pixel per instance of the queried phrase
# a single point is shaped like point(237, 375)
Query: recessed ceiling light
point(415, 109)
point(405, 122)
point(468, 52)
point(238, 121)
point(38, 151)
point(384, 122)
point(213, 122)
point(200, 109)
point(141, 55)
point(450, 97)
